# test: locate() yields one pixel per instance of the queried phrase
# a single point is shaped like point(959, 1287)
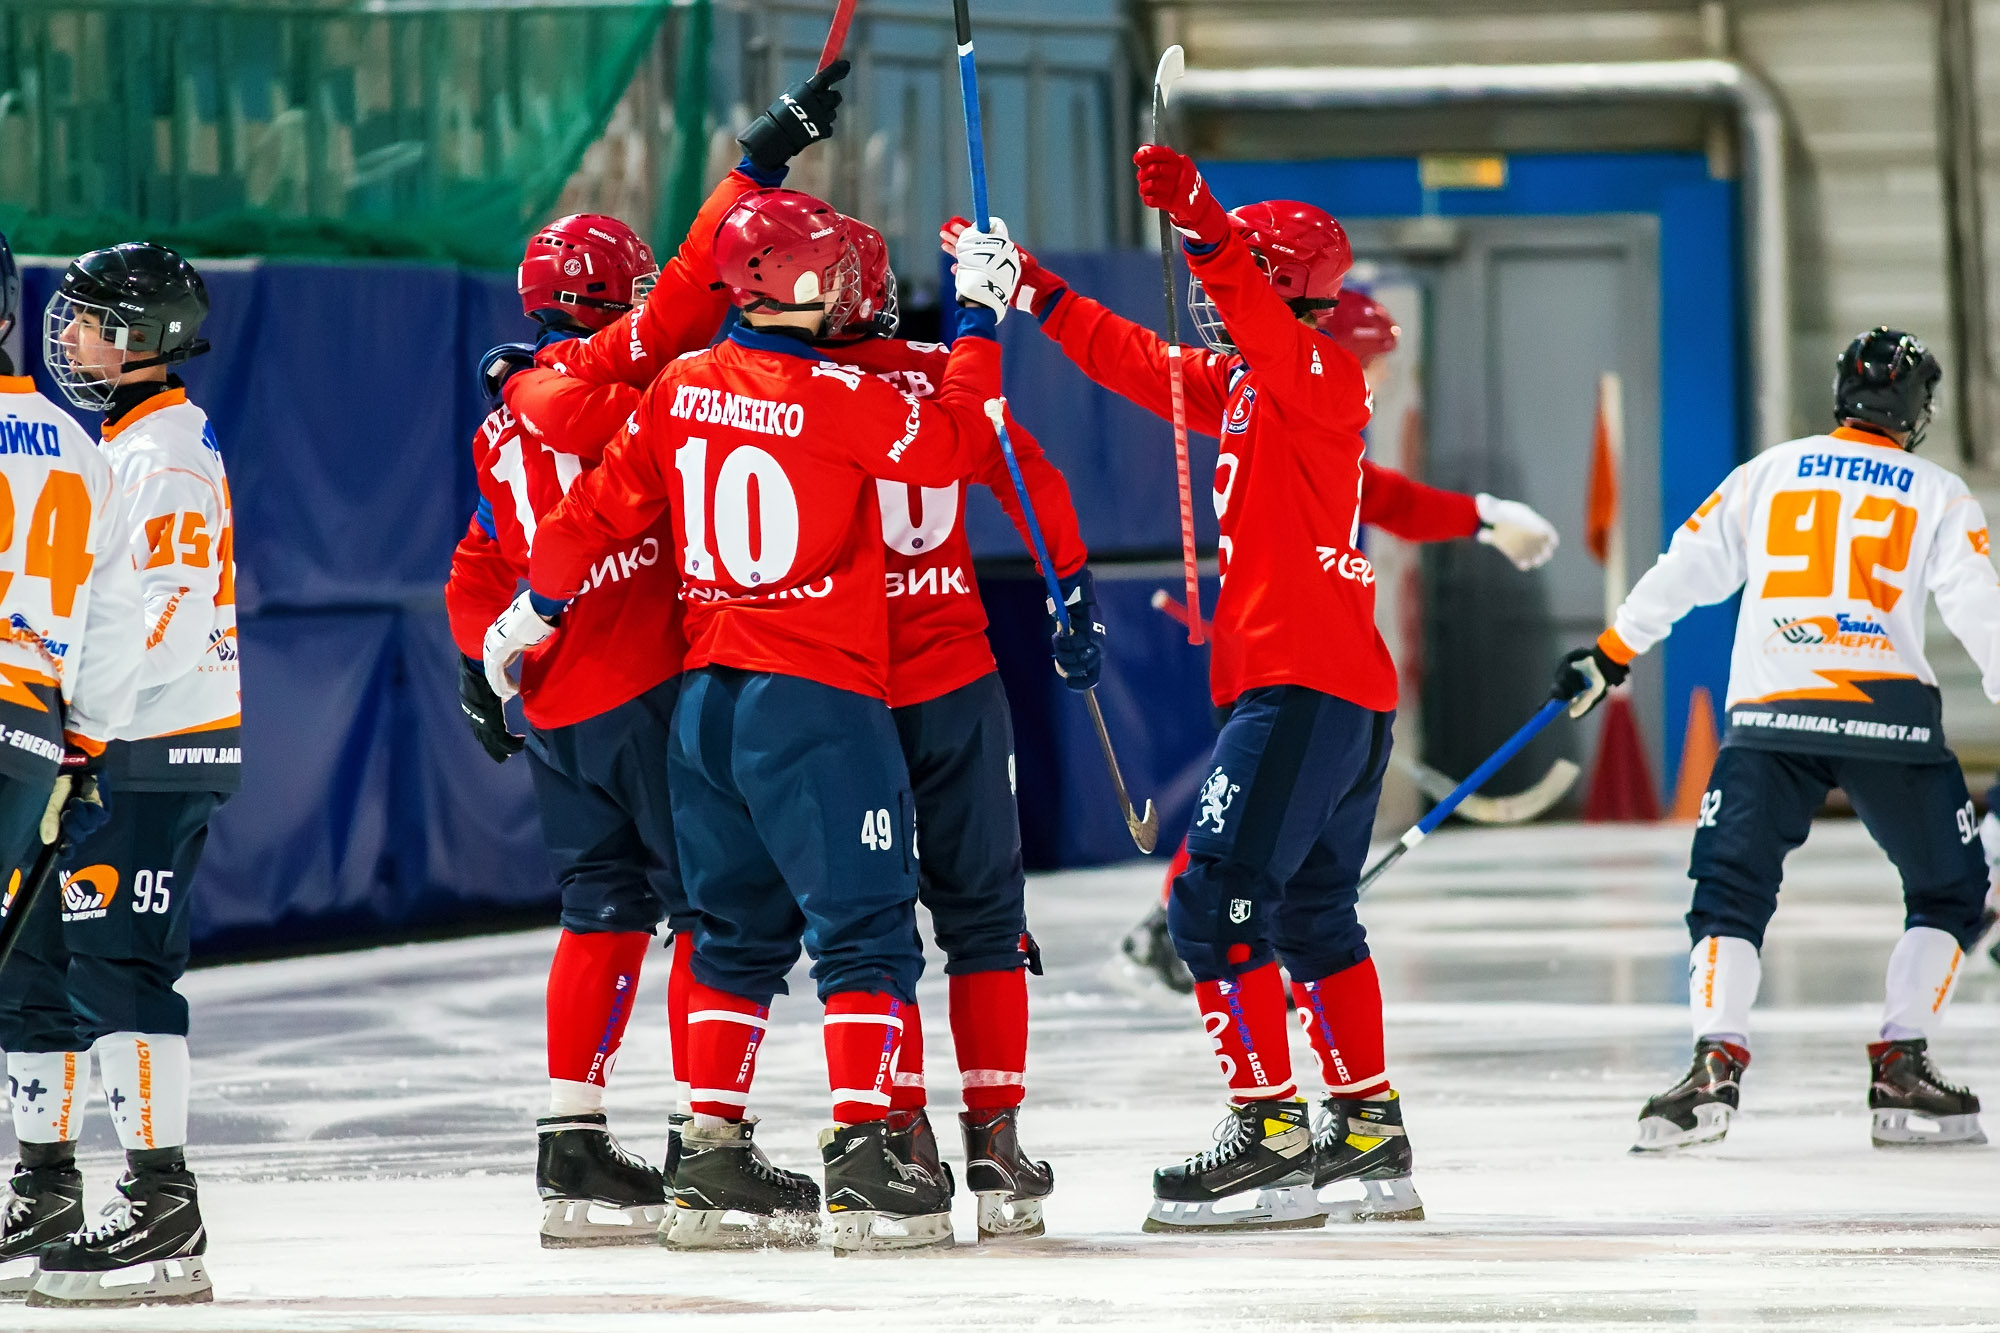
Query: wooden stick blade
point(1145, 829)
point(1173, 64)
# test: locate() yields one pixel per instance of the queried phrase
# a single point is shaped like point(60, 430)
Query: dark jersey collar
point(127, 397)
point(782, 344)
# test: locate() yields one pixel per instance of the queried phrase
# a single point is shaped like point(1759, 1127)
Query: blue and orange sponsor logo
point(87, 893)
point(1839, 630)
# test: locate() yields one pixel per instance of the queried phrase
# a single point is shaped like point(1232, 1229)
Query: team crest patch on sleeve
point(1216, 795)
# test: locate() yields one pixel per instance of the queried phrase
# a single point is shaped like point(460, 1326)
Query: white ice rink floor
point(364, 1132)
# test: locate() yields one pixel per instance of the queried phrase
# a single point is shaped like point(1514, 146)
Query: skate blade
point(162, 1282)
point(1659, 1134)
point(1004, 1217)
point(1281, 1209)
point(569, 1224)
point(870, 1233)
point(728, 1229)
point(1393, 1199)
point(1902, 1128)
point(17, 1277)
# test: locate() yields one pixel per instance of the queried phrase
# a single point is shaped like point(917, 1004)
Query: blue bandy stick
point(1442, 811)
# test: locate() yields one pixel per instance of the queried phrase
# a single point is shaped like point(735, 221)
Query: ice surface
point(363, 1131)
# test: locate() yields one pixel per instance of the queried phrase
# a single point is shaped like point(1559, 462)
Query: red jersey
point(681, 314)
point(622, 634)
point(765, 453)
point(937, 624)
point(1297, 605)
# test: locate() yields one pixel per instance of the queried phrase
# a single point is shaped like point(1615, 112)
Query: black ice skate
point(1699, 1107)
point(1010, 1185)
point(1363, 1142)
point(593, 1191)
point(1914, 1107)
point(147, 1251)
point(43, 1205)
point(676, 1122)
point(728, 1196)
point(1146, 960)
point(912, 1139)
point(878, 1198)
point(1258, 1176)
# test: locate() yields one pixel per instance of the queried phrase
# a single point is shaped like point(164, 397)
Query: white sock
point(48, 1090)
point(1922, 972)
point(146, 1084)
point(683, 1097)
point(1723, 975)
point(568, 1097)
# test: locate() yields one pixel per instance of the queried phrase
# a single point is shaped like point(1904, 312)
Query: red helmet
point(1302, 249)
point(879, 310)
point(783, 250)
point(1362, 326)
point(587, 266)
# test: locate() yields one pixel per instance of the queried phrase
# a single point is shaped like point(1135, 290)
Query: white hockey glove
point(1519, 533)
point(519, 628)
point(989, 266)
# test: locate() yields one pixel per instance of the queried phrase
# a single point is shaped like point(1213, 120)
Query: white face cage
point(1207, 319)
point(890, 317)
point(65, 324)
point(642, 287)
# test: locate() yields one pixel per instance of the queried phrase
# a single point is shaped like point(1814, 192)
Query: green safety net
point(365, 127)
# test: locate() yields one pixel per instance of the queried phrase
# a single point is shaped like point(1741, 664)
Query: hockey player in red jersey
point(1284, 817)
point(957, 735)
point(599, 697)
point(1402, 508)
point(792, 804)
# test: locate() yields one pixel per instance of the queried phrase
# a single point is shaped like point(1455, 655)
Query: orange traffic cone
point(1621, 784)
point(1698, 753)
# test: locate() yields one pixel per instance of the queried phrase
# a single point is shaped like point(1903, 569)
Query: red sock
point(591, 985)
point(863, 1030)
point(989, 1028)
point(1342, 1014)
point(1245, 1018)
point(1175, 868)
point(907, 1094)
point(680, 980)
point(724, 1032)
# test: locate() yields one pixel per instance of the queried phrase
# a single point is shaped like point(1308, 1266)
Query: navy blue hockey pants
point(793, 814)
point(960, 751)
point(1279, 837)
point(102, 950)
point(1759, 806)
point(601, 786)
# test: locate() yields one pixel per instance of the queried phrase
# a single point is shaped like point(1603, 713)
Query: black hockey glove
point(483, 709)
point(1584, 676)
point(76, 807)
point(1080, 653)
point(803, 115)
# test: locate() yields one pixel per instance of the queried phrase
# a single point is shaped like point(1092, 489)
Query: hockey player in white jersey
point(69, 675)
point(123, 318)
point(1836, 541)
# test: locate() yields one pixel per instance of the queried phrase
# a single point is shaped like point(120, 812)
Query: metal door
point(1521, 316)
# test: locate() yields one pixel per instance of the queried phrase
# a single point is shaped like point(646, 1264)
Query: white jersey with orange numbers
point(186, 731)
point(68, 595)
point(1836, 542)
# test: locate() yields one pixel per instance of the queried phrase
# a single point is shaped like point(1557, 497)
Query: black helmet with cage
point(10, 290)
point(125, 308)
point(1888, 380)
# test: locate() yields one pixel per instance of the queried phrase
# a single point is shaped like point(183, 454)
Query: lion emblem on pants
point(1216, 794)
